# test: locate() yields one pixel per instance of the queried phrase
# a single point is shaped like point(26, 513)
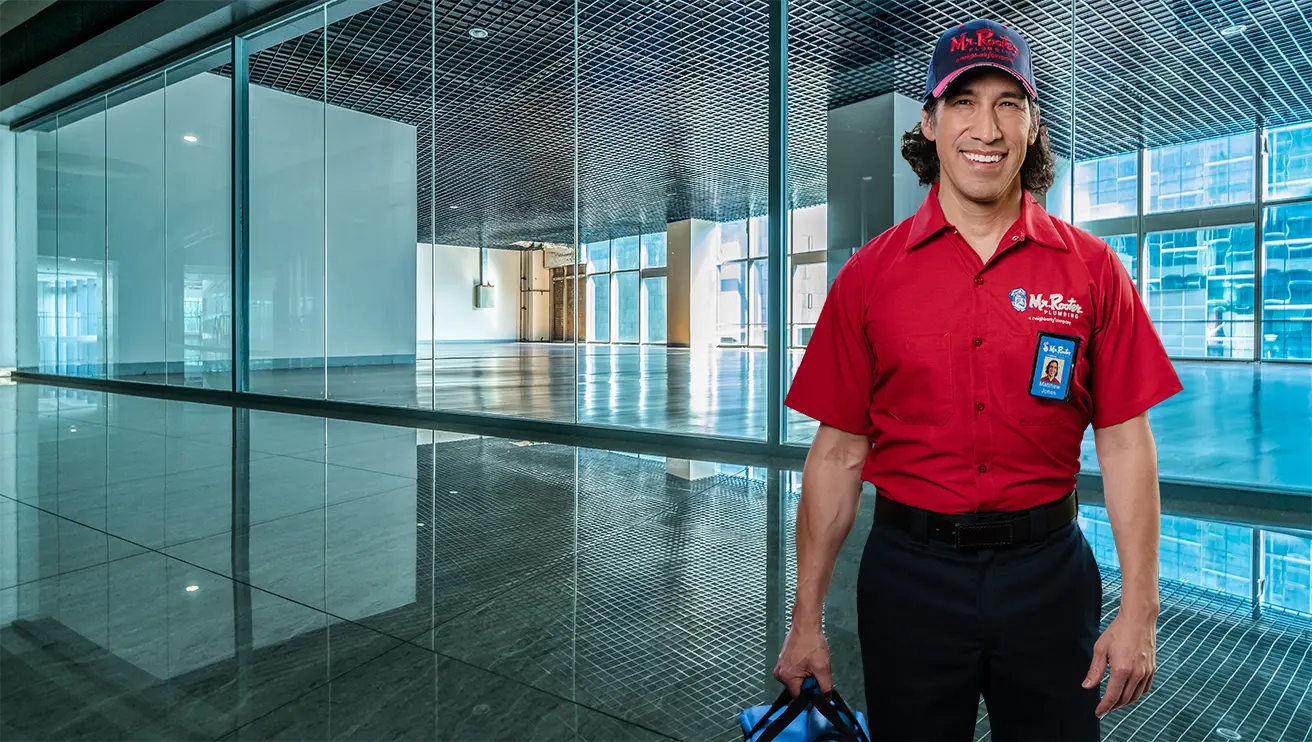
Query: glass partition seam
point(327, 304)
point(777, 144)
point(1259, 239)
point(241, 268)
point(574, 376)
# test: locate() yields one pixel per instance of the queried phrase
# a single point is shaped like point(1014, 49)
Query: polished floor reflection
point(1235, 424)
point(179, 571)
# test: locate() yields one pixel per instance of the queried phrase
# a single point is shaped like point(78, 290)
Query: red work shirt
point(930, 352)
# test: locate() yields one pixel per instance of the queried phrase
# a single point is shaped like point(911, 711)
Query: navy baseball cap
point(979, 43)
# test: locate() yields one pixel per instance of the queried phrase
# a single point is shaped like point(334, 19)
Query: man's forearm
point(1127, 456)
point(831, 492)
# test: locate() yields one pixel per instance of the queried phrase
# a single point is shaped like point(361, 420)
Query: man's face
point(981, 128)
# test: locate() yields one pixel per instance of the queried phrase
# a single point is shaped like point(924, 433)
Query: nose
point(984, 126)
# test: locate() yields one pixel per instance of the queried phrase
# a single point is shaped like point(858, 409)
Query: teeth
point(982, 158)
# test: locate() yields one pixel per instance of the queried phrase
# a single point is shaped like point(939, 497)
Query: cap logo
point(984, 41)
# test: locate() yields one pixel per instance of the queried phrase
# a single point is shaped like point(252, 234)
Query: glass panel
point(1200, 291)
point(654, 250)
point(625, 250)
point(733, 240)
point(808, 298)
point(377, 141)
point(1215, 172)
point(76, 282)
point(1287, 282)
point(653, 309)
point(598, 304)
point(1126, 247)
point(198, 222)
point(136, 289)
point(758, 301)
point(758, 236)
point(289, 271)
point(1106, 187)
point(809, 229)
point(1288, 566)
point(598, 256)
point(1289, 162)
point(625, 306)
point(731, 307)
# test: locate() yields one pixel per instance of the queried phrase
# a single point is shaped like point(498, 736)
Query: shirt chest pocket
point(1012, 373)
point(915, 381)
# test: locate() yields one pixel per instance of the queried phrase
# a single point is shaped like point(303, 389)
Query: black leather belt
point(978, 530)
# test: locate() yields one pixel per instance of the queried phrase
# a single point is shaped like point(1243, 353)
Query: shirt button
point(978, 342)
point(979, 280)
point(979, 407)
point(1015, 238)
point(982, 468)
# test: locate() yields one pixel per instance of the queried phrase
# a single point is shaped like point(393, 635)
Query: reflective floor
point(181, 571)
point(1235, 424)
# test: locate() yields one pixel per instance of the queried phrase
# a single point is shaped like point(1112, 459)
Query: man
point(1051, 375)
point(975, 578)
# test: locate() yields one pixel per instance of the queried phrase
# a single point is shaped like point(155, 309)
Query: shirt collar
point(1035, 223)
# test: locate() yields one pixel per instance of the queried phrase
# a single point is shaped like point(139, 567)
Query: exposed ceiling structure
point(670, 98)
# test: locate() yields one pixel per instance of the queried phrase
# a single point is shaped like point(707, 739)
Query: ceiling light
point(193, 588)
point(453, 206)
point(72, 260)
point(478, 33)
point(421, 525)
point(1234, 30)
point(190, 138)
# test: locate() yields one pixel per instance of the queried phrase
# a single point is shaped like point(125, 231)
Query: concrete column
point(871, 188)
point(690, 289)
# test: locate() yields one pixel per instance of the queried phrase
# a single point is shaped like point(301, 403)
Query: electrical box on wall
point(483, 296)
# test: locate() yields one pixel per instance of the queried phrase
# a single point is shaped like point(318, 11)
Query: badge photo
point(1054, 362)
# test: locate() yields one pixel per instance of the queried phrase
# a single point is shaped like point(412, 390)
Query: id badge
point(1054, 363)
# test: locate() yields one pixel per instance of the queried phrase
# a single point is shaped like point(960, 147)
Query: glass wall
point(133, 243)
point(447, 212)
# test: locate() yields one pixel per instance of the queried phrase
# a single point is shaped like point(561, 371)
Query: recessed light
point(478, 33)
point(453, 207)
point(190, 138)
point(193, 588)
point(421, 525)
point(453, 492)
point(72, 260)
point(1234, 30)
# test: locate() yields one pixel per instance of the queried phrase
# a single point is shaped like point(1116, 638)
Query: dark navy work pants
point(940, 628)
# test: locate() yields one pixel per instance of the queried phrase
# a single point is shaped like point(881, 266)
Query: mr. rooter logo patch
point(983, 40)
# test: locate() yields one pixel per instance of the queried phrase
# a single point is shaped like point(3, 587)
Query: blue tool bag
point(811, 717)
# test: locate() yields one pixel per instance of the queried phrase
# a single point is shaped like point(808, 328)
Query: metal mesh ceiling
point(672, 96)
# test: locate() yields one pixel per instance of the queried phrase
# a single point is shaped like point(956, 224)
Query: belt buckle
point(983, 535)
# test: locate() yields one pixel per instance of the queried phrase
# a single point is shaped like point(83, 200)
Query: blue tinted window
point(1200, 291)
point(1106, 187)
point(1289, 162)
point(1195, 175)
point(1287, 282)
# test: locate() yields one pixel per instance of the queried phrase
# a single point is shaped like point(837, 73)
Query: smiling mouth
point(983, 159)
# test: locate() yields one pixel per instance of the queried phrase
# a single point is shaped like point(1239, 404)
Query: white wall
point(453, 290)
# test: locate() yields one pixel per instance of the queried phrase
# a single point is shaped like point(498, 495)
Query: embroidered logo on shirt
point(1018, 297)
point(1053, 307)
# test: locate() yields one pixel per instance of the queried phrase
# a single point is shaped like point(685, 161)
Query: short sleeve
point(1130, 370)
point(833, 381)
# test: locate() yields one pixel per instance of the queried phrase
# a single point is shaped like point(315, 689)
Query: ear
point(927, 123)
point(1038, 118)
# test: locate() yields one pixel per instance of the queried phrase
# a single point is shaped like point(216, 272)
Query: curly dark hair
point(1036, 173)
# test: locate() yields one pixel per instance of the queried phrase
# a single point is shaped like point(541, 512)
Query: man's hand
point(1129, 645)
point(805, 654)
